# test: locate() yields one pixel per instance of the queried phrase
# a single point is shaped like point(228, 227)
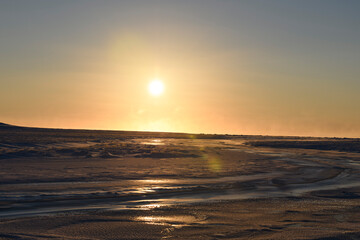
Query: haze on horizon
point(239, 67)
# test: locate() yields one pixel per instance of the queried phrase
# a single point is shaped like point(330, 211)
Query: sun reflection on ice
point(145, 190)
point(174, 221)
point(154, 142)
point(155, 181)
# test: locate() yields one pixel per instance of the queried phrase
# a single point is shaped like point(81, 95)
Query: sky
point(269, 67)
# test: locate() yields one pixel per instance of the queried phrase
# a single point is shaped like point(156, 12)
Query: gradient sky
point(273, 67)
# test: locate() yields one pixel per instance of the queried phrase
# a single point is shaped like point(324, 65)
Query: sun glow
point(156, 87)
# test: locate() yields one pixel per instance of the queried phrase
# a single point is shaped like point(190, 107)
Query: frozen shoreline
point(141, 177)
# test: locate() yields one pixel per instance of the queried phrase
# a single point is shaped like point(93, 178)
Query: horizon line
point(2, 124)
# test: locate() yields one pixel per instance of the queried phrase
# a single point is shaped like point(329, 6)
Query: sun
point(156, 87)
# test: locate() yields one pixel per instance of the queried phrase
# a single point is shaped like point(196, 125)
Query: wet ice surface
point(143, 173)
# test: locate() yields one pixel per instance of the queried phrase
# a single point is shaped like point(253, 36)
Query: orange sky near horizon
point(237, 68)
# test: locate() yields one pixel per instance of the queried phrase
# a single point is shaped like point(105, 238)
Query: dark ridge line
point(169, 134)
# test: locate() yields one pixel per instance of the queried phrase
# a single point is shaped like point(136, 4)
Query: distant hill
point(6, 125)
